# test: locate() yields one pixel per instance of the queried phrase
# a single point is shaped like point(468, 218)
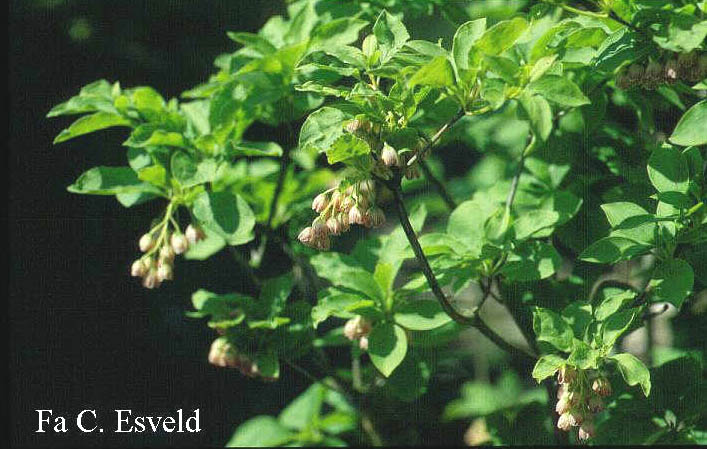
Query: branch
point(448, 200)
point(474, 320)
point(441, 189)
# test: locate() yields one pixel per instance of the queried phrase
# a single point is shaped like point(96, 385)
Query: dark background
point(82, 333)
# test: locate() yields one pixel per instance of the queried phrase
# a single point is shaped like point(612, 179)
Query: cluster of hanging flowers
point(688, 67)
point(338, 209)
point(223, 354)
point(356, 203)
point(358, 328)
point(160, 247)
point(579, 397)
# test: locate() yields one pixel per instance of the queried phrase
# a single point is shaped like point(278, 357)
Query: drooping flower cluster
point(224, 355)
point(579, 397)
point(161, 247)
point(358, 328)
point(338, 209)
point(688, 67)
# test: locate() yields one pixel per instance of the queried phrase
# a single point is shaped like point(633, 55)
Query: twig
point(473, 320)
point(514, 184)
point(448, 200)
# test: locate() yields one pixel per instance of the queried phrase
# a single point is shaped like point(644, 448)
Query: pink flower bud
point(334, 226)
point(363, 343)
point(138, 268)
point(566, 374)
point(336, 199)
point(151, 280)
point(586, 431)
point(166, 254)
point(601, 386)
point(320, 203)
point(389, 156)
point(222, 353)
point(367, 187)
point(146, 243)
point(194, 234)
point(347, 203)
point(306, 235)
point(562, 405)
point(165, 272)
point(355, 215)
point(357, 327)
point(577, 417)
point(564, 422)
point(179, 243)
point(319, 229)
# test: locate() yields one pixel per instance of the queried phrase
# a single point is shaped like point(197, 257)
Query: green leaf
point(532, 260)
point(533, 221)
point(501, 36)
point(245, 148)
point(634, 371)
point(466, 224)
point(612, 303)
point(464, 39)
point(268, 364)
point(304, 409)
point(387, 346)
point(261, 431)
point(337, 32)
point(672, 281)
point(410, 380)
point(322, 128)
point(91, 123)
point(342, 271)
point(583, 356)
point(668, 170)
point(258, 43)
point(559, 89)
point(613, 249)
point(550, 327)
point(333, 302)
point(616, 325)
point(578, 315)
point(539, 114)
point(547, 366)
point(347, 149)
point(391, 34)
point(421, 315)
point(226, 214)
point(622, 45)
point(690, 130)
point(274, 294)
point(189, 173)
point(436, 73)
point(205, 248)
point(110, 181)
point(631, 221)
